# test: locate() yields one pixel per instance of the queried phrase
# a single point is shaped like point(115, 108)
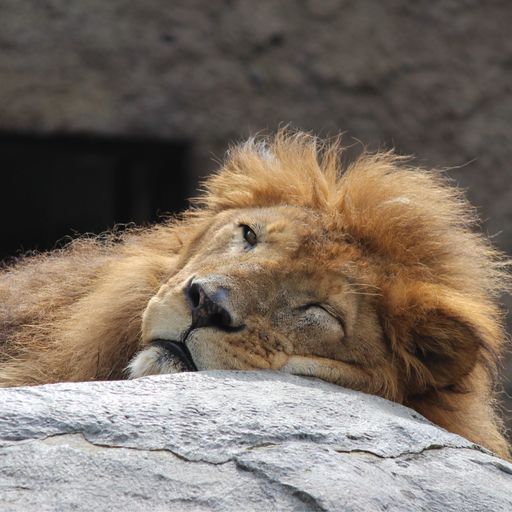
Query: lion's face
point(266, 288)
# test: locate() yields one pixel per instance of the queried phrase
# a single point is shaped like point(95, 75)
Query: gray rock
point(233, 441)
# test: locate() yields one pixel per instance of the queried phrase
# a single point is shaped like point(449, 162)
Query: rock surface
point(233, 441)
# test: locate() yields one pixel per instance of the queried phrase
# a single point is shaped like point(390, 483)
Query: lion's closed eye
point(317, 322)
point(322, 311)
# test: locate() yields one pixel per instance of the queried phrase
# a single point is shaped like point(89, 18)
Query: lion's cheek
point(212, 349)
point(279, 360)
point(300, 365)
point(336, 372)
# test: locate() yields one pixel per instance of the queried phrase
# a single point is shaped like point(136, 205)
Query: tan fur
point(392, 245)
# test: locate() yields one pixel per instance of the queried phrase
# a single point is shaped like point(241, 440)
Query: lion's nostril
point(194, 294)
point(207, 308)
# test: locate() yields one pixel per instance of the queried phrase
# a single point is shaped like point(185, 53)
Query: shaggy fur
point(75, 314)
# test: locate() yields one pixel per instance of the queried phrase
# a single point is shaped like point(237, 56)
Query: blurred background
point(111, 111)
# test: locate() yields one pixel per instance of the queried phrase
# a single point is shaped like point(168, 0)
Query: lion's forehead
point(274, 219)
point(295, 234)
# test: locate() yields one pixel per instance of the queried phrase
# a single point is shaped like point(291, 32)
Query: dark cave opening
point(55, 186)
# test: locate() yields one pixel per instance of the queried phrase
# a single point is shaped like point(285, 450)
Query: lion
point(368, 275)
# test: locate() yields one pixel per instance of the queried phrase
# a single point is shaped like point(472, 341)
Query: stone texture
point(432, 78)
point(232, 441)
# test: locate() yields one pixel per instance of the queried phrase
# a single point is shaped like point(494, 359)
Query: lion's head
point(271, 287)
point(372, 278)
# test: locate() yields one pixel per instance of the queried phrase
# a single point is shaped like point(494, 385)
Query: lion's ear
point(444, 348)
point(443, 335)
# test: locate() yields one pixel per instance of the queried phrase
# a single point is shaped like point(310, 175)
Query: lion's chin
point(159, 358)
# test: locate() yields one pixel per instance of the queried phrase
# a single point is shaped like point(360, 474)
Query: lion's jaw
point(284, 303)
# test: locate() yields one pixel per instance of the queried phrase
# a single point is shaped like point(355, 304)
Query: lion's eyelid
point(329, 309)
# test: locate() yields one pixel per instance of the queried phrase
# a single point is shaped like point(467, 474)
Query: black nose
point(206, 309)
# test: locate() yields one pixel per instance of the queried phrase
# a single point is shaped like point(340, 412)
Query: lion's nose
point(206, 307)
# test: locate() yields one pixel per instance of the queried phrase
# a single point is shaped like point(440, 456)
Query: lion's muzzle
point(209, 306)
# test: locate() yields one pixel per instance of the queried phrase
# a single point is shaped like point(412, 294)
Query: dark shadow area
point(57, 186)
